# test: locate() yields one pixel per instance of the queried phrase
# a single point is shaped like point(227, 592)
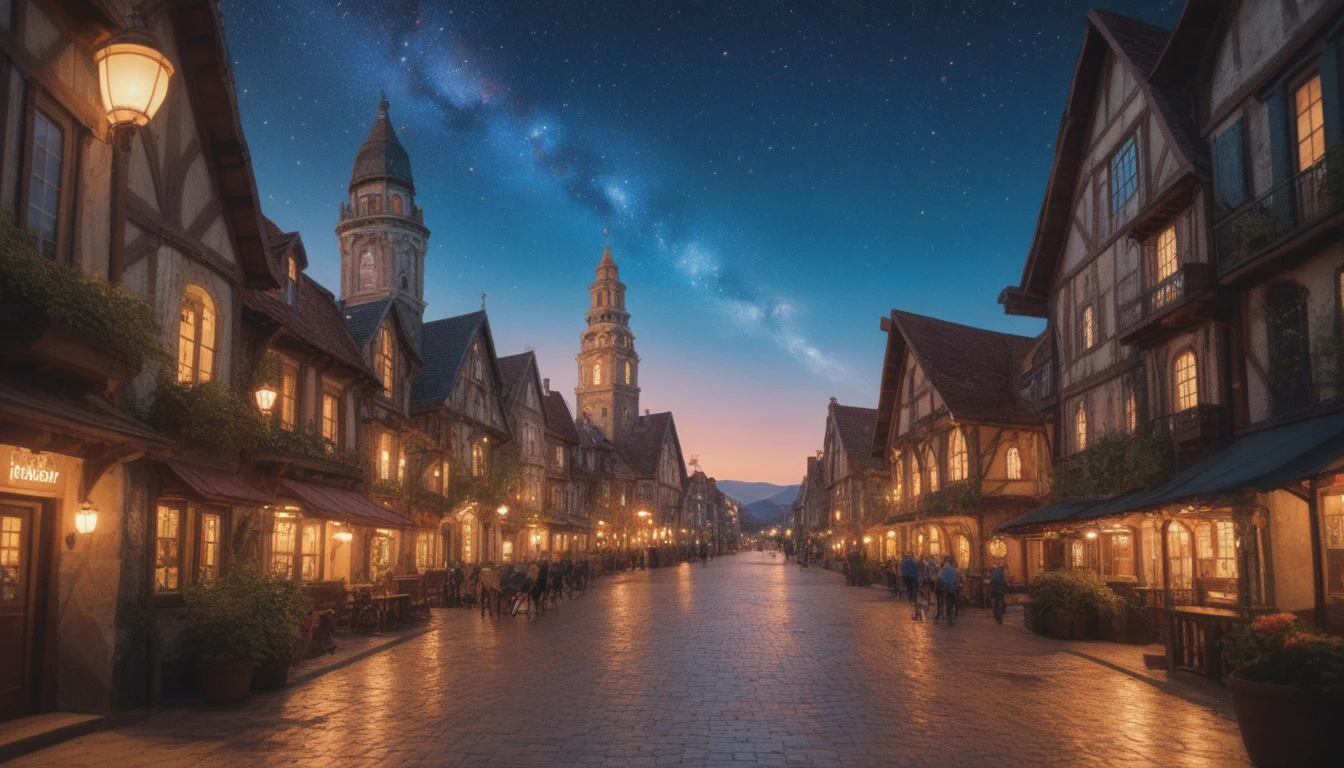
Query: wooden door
point(20, 612)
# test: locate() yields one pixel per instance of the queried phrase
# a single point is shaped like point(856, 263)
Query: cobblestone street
point(745, 661)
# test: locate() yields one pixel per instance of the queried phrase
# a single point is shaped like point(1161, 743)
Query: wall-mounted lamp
point(265, 396)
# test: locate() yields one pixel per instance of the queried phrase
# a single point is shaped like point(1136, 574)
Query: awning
point(219, 485)
point(342, 505)
point(72, 418)
point(1262, 460)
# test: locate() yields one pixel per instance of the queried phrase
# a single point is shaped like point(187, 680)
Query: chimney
point(646, 411)
point(833, 401)
point(546, 386)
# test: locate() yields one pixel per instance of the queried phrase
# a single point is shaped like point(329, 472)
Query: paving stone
point(746, 661)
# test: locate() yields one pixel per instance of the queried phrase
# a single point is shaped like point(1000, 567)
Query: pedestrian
point(998, 591)
point(910, 576)
point(947, 588)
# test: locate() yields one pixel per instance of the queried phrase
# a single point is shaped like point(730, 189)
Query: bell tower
point(382, 233)
point(608, 391)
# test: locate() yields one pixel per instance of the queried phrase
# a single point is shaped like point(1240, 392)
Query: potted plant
point(281, 612)
point(1287, 686)
point(1071, 604)
point(235, 623)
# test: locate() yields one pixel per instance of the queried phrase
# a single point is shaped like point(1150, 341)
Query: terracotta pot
point(227, 682)
point(1281, 726)
point(271, 677)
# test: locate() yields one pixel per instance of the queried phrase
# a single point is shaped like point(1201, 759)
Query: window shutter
point(1229, 178)
point(1280, 151)
point(1330, 91)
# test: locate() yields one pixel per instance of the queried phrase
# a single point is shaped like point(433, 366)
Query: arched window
point(1187, 381)
point(931, 459)
point(196, 337)
point(629, 373)
point(1289, 347)
point(597, 374)
point(1014, 462)
point(478, 467)
point(291, 280)
point(916, 480)
point(963, 550)
point(1080, 427)
point(398, 207)
point(405, 283)
point(385, 358)
point(367, 271)
point(1089, 327)
point(957, 463)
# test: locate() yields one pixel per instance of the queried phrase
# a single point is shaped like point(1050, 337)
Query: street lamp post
point(133, 77)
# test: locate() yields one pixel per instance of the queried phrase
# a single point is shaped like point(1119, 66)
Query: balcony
point(1283, 223)
point(1198, 425)
point(1181, 300)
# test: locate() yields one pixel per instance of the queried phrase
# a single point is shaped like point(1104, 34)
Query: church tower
point(382, 233)
point(608, 391)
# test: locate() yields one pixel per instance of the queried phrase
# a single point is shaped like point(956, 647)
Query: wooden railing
point(1038, 384)
point(1188, 280)
point(1202, 422)
point(1192, 638)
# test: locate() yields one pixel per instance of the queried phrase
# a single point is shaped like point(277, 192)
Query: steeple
point(382, 232)
point(608, 366)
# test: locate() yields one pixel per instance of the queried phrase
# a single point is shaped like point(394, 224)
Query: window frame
point(287, 415)
point(1132, 181)
point(197, 341)
point(198, 537)
point(1178, 394)
point(1012, 457)
point(71, 161)
point(1081, 430)
point(181, 507)
point(1304, 80)
point(1089, 330)
point(333, 393)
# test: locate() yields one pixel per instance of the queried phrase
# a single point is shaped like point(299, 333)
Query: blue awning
point(1262, 460)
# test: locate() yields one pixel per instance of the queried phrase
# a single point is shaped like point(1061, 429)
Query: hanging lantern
point(266, 398)
point(133, 75)
point(86, 519)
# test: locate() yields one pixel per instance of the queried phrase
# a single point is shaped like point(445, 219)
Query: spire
point(382, 156)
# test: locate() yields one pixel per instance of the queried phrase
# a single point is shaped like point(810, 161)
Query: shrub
point(37, 290)
point(1279, 650)
point(1077, 591)
point(209, 414)
point(243, 616)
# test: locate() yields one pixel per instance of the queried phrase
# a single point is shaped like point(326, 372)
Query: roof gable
point(559, 419)
point(651, 435)
point(853, 427)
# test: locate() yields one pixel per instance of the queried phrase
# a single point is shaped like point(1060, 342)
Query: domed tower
point(608, 391)
point(382, 233)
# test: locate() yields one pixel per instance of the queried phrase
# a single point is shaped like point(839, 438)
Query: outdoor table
point(1193, 632)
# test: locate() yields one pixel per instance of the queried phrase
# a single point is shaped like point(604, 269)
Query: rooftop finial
point(482, 302)
point(382, 104)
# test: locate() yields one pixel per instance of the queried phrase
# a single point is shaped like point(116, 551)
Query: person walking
point(910, 576)
point(998, 591)
point(947, 589)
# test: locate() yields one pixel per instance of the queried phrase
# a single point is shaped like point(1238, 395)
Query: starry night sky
point(776, 175)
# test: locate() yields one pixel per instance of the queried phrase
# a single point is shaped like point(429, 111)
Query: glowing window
point(385, 358)
point(291, 280)
point(931, 459)
point(1089, 327)
point(168, 550)
point(289, 394)
point(398, 206)
point(384, 456)
point(331, 412)
point(1014, 462)
point(196, 337)
point(1180, 558)
point(1225, 561)
point(12, 568)
point(210, 538)
point(957, 463)
point(898, 477)
point(1187, 381)
point(597, 374)
point(1131, 412)
point(1080, 427)
point(310, 554)
point(478, 459)
point(1310, 123)
point(368, 270)
point(284, 537)
point(1166, 253)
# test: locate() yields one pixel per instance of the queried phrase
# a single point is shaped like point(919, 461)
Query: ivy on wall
point(1116, 464)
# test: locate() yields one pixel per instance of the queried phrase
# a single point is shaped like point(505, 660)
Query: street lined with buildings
point(745, 661)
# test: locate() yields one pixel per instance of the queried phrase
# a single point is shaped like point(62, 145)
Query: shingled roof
point(973, 369)
point(645, 444)
point(558, 418)
point(444, 345)
point(855, 426)
point(513, 370)
point(362, 320)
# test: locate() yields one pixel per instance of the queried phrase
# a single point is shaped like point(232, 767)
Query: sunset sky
point(776, 176)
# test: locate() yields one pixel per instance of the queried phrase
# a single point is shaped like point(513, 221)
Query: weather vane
point(482, 302)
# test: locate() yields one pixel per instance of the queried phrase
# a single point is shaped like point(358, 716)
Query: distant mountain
point(774, 510)
point(746, 492)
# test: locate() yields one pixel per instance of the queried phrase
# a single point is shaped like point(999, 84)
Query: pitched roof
point(513, 370)
point(362, 320)
point(973, 369)
point(645, 445)
point(558, 418)
point(444, 345)
point(1137, 45)
point(316, 317)
point(382, 156)
point(855, 426)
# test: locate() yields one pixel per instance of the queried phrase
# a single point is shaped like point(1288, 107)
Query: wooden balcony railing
point(1290, 208)
point(1158, 302)
point(1202, 422)
point(1038, 384)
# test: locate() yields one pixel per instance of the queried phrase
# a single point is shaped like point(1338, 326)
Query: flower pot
point(1281, 726)
point(272, 676)
point(1032, 618)
point(227, 682)
point(1069, 625)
